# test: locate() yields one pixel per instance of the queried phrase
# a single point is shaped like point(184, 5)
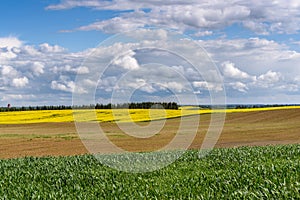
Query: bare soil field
point(240, 129)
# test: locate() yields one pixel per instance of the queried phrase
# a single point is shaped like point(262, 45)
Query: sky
point(46, 46)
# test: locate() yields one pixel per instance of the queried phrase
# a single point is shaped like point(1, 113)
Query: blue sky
point(43, 44)
point(32, 23)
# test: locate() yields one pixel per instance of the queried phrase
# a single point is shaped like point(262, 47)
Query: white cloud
point(10, 97)
point(6, 54)
point(8, 71)
point(289, 87)
point(113, 25)
point(147, 35)
point(127, 62)
point(140, 84)
point(107, 83)
point(269, 79)
point(203, 33)
point(174, 86)
point(28, 69)
point(254, 55)
point(261, 17)
point(231, 71)
point(67, 86)
point(30, 50)
point(208, 85)
point(89, 83)
point(137, 83)
point(20, 82)
point(114, 5)
point(8, 47)
point(46, 48)
point(148, 88)
point(37, 68)
point(274, 65)
point(239, 86)
point(10, 42)
point(69, 68)
point(82, 70)
point(257, 27)
point(255, 49)
point(73, 3)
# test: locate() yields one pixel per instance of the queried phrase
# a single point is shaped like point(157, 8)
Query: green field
point(270, 172)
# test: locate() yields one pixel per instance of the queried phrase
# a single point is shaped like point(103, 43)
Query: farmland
point(270, 172)
point(265, 127)
point(119, 115)
point(47, 160)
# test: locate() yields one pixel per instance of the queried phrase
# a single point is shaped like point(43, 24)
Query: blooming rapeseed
point(116, 115)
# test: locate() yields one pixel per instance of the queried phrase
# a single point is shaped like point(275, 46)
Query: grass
point(119, 115)
point(270, 172)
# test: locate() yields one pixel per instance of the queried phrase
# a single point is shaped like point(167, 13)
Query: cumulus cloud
point(37, 68)
point(69, 68)
point(289, 87)
point(260, 17)
point(254, 49)
point(203, 33)
point(10, 97)
point(29, 50)
point(256, 66)
point(148, 88)
point(8, 71)
point(231, 71)
point(257, 27)
point(46, 48)
point(6, 54)
point(27, 70)
point(114, 25)
point(141, 84)
point(242, 81)
point(9, 47)
point(20, 82)
point(208, 85)
point(254, 56)
point(174, 86)
point(67, 86)
point(269, 79)
point(127, 62)
point(10, 42)
point(89, 83)
point(239, 86)
point(82, 70)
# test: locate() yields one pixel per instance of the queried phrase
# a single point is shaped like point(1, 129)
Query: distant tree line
point(136, 105)
point(260, 105)
point(29, 108)
point(244, 106)
point(142, 105)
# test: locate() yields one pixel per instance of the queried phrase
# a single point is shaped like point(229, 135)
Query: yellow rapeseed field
point(117, 115)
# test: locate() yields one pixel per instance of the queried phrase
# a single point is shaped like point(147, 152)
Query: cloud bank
point(48, 75)
point(256, 66)
point(262, 18)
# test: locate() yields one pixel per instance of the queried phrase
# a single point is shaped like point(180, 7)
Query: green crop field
point(270, 172)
